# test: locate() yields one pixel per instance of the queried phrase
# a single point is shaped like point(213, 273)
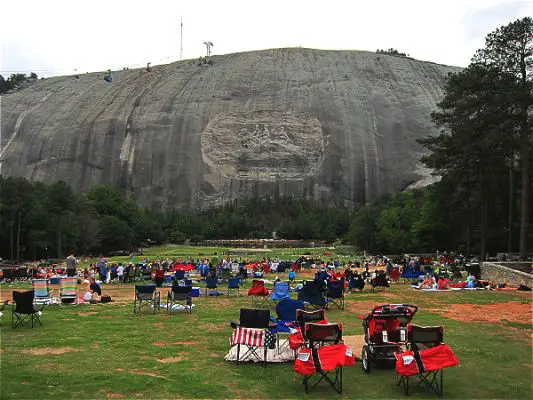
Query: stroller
point(385, 334)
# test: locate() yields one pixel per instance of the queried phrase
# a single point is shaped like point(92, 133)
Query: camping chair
point(304, 317)
point(356, 282)
point(23, 310)
point(326, 354)
point(426, 358)
point(312, 294)
point(380, 282)
point(252, 331)
point(395, 275)
point(177, 295)
point(286, 319)
point(68, 291)
point(335, 294)
point(41, 291)
point(234, 285)
point(259, 293)
point(146, 295)
point(281, 291)
point(235, 269)
point(211, 285)
point(179, 274)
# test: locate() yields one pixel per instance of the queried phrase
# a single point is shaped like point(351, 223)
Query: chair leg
point(340, 383)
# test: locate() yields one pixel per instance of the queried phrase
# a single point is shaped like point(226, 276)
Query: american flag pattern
point(248, 336)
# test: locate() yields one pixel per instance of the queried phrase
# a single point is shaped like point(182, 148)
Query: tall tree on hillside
point(472, 146)
point(60, 202)
point(509, 49)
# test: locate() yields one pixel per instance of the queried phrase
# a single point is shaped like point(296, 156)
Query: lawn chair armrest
point(234, 324)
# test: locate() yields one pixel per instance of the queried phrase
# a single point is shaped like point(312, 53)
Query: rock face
point(335, 126)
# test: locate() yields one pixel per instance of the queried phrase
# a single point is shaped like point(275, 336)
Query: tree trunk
point(59, 244)
point(468, 237)
point(484, 220)
point(19, 223)
point(524, 212)
point(511, 207)
point(525, 149)
point(11, 240)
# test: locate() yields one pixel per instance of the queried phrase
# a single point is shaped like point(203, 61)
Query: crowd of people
point(425, 272)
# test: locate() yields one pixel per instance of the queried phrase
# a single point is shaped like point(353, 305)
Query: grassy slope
point(116, 350)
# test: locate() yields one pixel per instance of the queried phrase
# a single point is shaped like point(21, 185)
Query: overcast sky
point(57, 37)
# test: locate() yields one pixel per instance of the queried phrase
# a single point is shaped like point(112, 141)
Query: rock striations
point(335, 126)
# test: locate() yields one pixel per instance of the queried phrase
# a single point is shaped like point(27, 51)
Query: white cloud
point(56, 37)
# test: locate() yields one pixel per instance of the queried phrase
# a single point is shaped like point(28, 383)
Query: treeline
point(15, 81)
point(392, 52)
point(483, 151)
point(48, 220)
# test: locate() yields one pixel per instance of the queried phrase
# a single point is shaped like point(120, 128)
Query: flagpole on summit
point(181, 39)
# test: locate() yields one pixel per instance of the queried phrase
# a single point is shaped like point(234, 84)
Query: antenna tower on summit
point(181, 39)
point(208, 45)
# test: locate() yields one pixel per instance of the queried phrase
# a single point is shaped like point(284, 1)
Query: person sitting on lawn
point(292, 276)
point(94, 292)
point(159, 276)
point(471, 281)
point(427, 283)
point(443, 283)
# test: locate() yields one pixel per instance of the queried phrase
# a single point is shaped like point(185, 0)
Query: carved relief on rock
point(259, 145)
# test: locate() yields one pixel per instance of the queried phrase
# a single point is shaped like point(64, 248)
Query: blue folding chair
point(286, 314)
point(211, 285)
point(146, 295)
point(177, 295)
point(335, 294)
point(286, 319)
point(281, 291)
point(312, 294)
point(233, 285)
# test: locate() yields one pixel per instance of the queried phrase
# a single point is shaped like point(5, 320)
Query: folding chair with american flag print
point(253, 332)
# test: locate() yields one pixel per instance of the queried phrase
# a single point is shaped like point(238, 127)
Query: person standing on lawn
point(72, 263)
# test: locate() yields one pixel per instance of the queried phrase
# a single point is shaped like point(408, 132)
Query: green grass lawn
point(200, 252)
point(115, 354)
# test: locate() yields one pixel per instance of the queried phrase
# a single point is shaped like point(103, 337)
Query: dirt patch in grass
point(111, 395)
point(170, 360)
point(86, 314)
point(119, 369)
point(158, 324)
point(146, 373)
point(164, 344)
point(389, 295)
point(68, 319)
point(356, 342)
point(512, 311)
point(51, 350)
point(210, 327)
point(193, 343)
point(362, 307)
point(222, 304)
